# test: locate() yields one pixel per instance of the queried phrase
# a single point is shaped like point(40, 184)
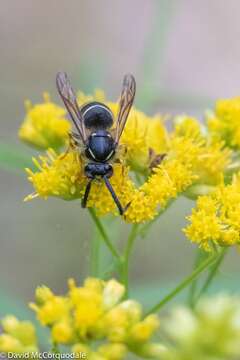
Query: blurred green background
point(184, 54)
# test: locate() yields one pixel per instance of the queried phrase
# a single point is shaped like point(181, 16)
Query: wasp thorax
point(97, 115)
point(100, 146)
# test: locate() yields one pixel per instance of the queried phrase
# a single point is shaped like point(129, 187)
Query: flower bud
point(112, 293)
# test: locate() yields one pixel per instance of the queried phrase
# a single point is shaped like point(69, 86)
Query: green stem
point(125, 262)
point(94, 255)
point(103, 233)
point(204, 265)
point(193, 287)
point(212, 273)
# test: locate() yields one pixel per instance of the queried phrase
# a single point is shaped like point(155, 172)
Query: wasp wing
point(70, 101)
point(125, 104)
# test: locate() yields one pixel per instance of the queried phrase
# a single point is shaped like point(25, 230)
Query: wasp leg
point(87, 191)
point(72, 144)
point(114, 196)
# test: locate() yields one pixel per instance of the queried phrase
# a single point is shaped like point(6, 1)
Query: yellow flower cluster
point(18, 336)
point(45, 125)
point(209, 158)
point(96, 313)
point(191, 159)
point(215, 220)
point(62, 176)
point(224, 123)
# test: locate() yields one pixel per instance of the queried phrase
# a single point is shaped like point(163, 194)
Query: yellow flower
point(113, 292)
point(45, 125)
point(212, 163)
point(58, 175)
point(141, 134)
point(10, 344)
point(62, 176)
point(168, 180)
point(224, 123)
point(143, 330)
point(18, 336)
point(208, 157)
point(43, 294)
point(88, 311)
point(205, 225)
point(62, 332)
point(216, 217)
point(188, 127)
point(91, 313)
point(52, 310)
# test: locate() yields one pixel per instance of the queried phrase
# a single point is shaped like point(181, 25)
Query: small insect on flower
point(96, 138)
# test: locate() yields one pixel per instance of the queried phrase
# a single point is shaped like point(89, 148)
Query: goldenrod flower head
point(112, 293)
point(224, 123)
point(43, 294)
point(143, 330)
point(188, 127)
point(95, 312)
point(52, 310)
point(10, 344)
point(62, 332)
point(88, 310)
point(212, 163)
point(58, 175)
point(215, 220)
point(62, 176)
point(141, 134)
point(18, 336)
point(90, 283)
point(211, 331)
point(10, 323)
point(167, 181)
point(208, 157)
point(45, 125)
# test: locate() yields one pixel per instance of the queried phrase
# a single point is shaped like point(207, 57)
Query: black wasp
point(95, 131)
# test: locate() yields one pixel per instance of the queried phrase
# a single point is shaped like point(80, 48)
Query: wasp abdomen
point(97, 115)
